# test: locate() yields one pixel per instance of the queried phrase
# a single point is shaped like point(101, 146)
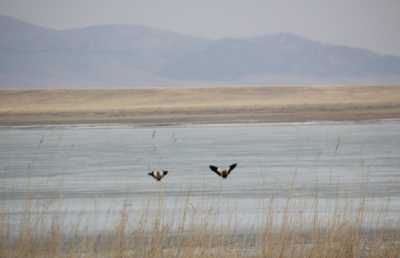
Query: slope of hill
point(128, 56)
point(282, 56)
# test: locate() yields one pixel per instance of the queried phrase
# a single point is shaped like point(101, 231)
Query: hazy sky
point(372, 24)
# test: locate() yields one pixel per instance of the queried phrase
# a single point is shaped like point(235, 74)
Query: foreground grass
point(197, 235)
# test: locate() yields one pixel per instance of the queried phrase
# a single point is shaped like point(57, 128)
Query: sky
point(371, 24)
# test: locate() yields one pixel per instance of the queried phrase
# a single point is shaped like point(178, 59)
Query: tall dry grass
point(194, 234)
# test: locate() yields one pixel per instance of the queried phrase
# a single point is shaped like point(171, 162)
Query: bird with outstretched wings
point(158, 174)
point(223, 172)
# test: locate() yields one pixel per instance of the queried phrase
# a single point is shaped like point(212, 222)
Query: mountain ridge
point(135, 55)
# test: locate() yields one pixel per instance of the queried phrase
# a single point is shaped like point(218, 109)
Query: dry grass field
point(41, 234)
point(199, 105)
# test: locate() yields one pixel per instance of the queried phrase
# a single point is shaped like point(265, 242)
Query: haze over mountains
point(115, 56)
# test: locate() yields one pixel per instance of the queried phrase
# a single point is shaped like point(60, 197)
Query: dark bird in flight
point(157, 174)
point(223, 172)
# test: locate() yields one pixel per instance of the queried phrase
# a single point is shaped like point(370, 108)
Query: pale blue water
point(97, 169)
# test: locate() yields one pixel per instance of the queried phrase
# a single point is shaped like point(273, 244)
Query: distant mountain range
point(115, 56)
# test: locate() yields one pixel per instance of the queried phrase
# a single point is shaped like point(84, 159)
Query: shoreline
point(183, 125)
point(174, 107)
point(249, 124)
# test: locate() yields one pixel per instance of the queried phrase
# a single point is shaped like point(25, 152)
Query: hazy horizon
point(358, 23)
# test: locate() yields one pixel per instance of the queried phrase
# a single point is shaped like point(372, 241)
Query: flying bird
point(157, 174)
point(223, 172)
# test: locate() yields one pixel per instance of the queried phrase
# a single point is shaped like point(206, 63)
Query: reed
point(196, 234)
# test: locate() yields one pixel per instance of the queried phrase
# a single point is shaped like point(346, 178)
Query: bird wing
point(152, 175)
point(231, 167)
point(215, 169)
point(165, 172)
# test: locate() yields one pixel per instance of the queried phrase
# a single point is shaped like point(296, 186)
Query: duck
point(158, 174)
point(223, 172)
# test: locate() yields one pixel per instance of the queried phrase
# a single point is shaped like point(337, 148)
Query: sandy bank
point(201, 105)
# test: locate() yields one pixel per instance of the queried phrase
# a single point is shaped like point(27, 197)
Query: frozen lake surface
point(95, 171)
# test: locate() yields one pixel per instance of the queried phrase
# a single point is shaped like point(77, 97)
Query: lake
point(93, 172)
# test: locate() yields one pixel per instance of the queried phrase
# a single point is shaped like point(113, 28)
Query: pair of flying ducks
point(222, 172)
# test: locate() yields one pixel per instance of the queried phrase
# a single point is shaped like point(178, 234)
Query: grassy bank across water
point(199, 105)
